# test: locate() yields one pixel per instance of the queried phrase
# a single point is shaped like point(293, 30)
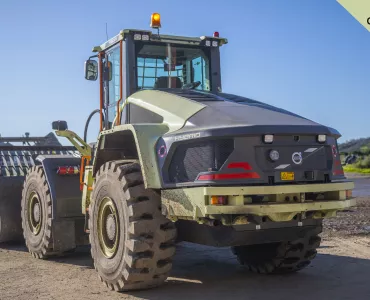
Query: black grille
point(192, 158)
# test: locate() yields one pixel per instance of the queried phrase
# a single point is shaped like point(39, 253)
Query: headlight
point(145, 37)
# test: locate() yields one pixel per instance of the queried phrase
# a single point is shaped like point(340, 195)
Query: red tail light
point(240, 165)
point(250, 175)
point(68, 170)
point(226, 176)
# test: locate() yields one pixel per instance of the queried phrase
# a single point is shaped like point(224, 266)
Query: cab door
point(113, 85)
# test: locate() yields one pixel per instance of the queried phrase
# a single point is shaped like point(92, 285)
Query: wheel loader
point(178, 159)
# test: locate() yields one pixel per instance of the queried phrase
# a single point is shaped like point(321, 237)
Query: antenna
point(106, 30)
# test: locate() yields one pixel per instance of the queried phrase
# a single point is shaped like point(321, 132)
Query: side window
point(114, 83)
point(200, 73)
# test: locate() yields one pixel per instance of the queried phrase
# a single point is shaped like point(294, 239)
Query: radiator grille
point(192, 158)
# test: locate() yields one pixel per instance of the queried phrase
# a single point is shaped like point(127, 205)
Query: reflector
point(218, 200)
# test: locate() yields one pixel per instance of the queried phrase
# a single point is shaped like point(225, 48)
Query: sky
point(309, 57)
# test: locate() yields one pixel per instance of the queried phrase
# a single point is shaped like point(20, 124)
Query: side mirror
point(91, 70)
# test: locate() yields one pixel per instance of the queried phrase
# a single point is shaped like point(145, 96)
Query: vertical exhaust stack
point(17, 156)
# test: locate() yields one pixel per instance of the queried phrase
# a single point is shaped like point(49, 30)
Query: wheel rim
point(34, 213)
point(108, 227)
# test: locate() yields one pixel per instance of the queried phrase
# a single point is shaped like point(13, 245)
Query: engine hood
point(186, 111)
point(223, 111)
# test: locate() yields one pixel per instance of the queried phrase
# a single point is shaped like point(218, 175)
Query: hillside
point(354, 145)
point(355, 155)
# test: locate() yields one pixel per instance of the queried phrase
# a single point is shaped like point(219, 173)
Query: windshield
point(172, 66)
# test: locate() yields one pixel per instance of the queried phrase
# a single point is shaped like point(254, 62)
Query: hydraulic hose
point(88, 122)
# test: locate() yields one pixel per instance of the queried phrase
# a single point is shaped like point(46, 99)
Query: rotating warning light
point(155, 20)
point(216, 34)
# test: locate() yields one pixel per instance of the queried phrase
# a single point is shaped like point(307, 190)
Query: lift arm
point(61, 129)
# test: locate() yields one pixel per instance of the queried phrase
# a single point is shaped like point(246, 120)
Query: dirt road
point(341, 271)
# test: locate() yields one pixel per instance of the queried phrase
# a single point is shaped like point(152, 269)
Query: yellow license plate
point(287, 175)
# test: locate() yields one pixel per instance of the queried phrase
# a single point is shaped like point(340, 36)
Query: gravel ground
point(340, 271)
point(355, 221)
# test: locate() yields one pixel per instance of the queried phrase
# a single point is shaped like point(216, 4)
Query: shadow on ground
point(80, 257)
point(208, 273)
point(14, 246)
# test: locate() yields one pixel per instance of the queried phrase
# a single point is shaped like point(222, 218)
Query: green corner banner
point(359, 9)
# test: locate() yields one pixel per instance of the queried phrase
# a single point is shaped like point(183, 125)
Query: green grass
point(351, 169)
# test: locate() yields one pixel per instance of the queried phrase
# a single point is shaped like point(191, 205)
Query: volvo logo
point(297, 158)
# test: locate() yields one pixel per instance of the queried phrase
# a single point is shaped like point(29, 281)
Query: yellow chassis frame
point(196, 202)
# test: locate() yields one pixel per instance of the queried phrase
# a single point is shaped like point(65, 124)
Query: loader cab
point(137, 60)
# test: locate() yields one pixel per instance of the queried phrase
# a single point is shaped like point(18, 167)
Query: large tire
point(132, 243)
point(279, 258)
point(36, 214)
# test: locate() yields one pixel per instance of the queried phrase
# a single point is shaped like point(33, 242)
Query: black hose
point(88, 122)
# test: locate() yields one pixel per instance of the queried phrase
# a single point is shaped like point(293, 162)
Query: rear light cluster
point(207, 177)
point(237, 175)
point(68, 170)
point(219, 200)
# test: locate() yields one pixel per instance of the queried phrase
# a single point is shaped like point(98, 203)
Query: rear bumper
point(267, 209)
point(195, 203)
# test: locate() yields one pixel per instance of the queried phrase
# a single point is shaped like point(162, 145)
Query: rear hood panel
point(250, 116)
point(222, 144)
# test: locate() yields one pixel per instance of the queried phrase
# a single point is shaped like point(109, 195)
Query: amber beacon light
point(155, 20)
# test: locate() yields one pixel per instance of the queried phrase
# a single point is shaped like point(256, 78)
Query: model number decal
point(187, 136)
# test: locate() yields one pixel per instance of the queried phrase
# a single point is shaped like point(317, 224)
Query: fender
point(114, 144)
point(65, 192)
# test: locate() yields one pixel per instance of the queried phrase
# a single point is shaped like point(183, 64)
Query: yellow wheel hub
point(108, 227)
point(34, 213)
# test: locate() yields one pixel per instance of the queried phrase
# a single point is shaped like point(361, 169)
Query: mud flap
point(66, 198)
point(64, 237)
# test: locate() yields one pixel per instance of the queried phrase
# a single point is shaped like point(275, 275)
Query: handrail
point(101, 89)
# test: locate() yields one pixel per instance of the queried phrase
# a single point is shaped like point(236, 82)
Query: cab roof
point(154, 37)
